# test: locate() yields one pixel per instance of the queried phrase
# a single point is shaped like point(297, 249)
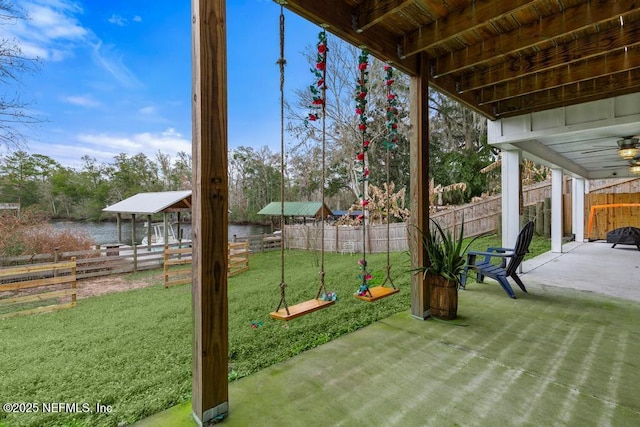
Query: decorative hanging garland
point(318, 89)
point(361, 159)
point(318, 107)
point(391, 141)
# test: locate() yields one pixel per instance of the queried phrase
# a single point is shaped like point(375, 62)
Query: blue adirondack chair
point(509, 260)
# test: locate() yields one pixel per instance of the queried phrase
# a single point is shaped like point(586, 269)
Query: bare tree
point(343, 138)
point(14, 112)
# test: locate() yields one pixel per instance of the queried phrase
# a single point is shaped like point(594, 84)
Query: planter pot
point(444, 297)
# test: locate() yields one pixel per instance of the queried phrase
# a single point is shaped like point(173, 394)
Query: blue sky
point(116, 75)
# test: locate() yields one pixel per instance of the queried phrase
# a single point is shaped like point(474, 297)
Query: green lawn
point(132, 350)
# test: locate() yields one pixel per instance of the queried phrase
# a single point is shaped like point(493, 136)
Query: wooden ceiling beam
point(568, 53)
point(618, 61)
point(447, 86)
point(576, 93)
point(340, 19)
point(475, 16)
point(533, 36)
point(373, 12)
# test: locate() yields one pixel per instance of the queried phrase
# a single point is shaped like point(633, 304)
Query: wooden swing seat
point(377, 293)
point(300, 309)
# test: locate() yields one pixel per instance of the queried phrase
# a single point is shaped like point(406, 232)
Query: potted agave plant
point(446, 262)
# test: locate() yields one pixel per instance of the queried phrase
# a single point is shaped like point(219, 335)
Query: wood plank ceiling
point(504, 57)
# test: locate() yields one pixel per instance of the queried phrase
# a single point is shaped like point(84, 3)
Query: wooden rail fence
point(177, 263)
point(260, 242)
point(177, 266)
point(29, 286)
point(238, 258)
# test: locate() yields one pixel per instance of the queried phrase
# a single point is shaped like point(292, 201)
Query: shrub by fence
point(27, 289)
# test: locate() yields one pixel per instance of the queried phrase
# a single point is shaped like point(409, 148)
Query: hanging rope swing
point(323, 299)
point(366, 293)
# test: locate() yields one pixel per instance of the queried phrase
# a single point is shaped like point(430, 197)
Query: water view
point(107, 232)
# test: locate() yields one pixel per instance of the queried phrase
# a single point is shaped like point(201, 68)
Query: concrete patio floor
point(564, 354)
point(593, 267)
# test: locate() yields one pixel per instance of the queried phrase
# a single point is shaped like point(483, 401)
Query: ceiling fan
point(634, 165)
point(627, 148)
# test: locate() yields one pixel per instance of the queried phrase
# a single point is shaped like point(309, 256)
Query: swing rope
point(388, 275)
point(366, 293)
point(388, 209)
point(282, 62)
point(322, 291)
point(365, 196)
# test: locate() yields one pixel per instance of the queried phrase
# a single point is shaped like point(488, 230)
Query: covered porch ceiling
point(507, 59)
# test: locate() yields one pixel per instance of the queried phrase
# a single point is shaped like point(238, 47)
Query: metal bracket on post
point(213, 416)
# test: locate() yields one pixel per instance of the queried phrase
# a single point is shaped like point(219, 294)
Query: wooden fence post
point(55, 259)
point(547, 216)
point(540, 218)
point(73, 283)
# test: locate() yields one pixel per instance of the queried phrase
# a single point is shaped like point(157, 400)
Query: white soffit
point(581, 139)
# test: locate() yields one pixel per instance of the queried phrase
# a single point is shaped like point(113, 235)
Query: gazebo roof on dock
point(151, 203)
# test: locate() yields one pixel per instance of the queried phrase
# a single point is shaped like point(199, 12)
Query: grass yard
point(131, 351)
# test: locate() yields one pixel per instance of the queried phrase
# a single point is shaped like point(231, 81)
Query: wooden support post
point(419, 165)
point(133, 229)
point(119, 225)
point(149, 230)
point(210, 392)
point(165, 223)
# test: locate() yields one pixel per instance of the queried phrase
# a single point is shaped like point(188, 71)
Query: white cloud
point(83, 101)
point(51, 30)
point(148, 110)
point(171, 132)
point(33, 50)
point(137, 18)
point(117, 20)
point(108, 58)
point(168, 142)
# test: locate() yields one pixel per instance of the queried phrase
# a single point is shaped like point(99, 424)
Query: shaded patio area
point(593, 267)
point(554, 356)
